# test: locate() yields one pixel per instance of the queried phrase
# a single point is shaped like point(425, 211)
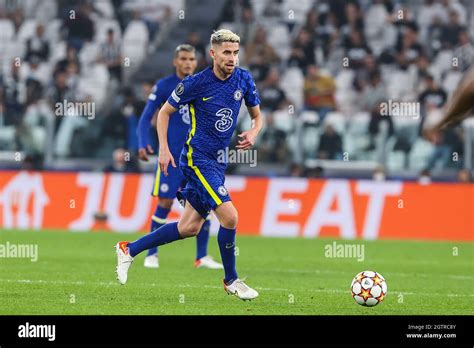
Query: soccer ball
point(369, 288)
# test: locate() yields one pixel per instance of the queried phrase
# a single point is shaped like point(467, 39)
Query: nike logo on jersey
point(204, 99)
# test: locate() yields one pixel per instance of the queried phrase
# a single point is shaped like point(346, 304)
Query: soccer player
point(165, 187)
point(461, 105)
point(214, 97)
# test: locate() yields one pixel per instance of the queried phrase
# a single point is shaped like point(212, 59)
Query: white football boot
point(207, 262)
point(124, 261)
point(151, 261)
point(241, 290)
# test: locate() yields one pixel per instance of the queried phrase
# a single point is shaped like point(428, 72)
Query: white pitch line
point(329, 291)
point(422, 275)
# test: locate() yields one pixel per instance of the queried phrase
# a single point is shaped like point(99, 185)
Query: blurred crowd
point(347, 57)
point(73, 53)
point(322, 67)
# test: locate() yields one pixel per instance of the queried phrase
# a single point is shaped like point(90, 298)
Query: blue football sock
point(226, 240)
point(165, 234)
point(157, 220)
point(202, 240)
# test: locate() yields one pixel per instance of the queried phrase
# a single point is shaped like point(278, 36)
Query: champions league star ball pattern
point(369, 288)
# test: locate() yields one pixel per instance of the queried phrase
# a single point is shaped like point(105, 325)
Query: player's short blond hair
point(224, 35)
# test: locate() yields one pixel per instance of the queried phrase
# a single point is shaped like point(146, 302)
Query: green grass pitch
point(75, 274)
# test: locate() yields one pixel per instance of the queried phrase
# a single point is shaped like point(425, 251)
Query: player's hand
point(143, 153)
point(248, 140)
point(164, 160)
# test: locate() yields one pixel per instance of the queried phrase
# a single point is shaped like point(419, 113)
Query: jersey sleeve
point(156, 98)
point(183, 93)
point(251, 94)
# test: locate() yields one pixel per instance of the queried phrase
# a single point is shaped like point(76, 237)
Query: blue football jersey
point(179, 121)
point(214, 106)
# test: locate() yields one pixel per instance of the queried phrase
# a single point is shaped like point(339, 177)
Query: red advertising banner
point(281, 207)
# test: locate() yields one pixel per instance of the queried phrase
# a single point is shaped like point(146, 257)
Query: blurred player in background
point(461, 105)
point(214, 97)
point(165, 187)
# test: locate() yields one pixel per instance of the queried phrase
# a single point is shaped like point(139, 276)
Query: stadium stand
point(334, 62)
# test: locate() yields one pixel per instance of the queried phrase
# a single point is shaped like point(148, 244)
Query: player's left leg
point(188, 225)
point(163, 187)
point(228, 217)
point(203, 260)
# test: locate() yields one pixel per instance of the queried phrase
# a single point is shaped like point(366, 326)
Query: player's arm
point(249, 137)
point(152, 105)
point(144, 123)
point(162, 122)
point(461, 102)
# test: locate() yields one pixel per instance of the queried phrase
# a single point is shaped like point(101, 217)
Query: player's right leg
point(157, 220)
point(188, 226)
point(164, 187)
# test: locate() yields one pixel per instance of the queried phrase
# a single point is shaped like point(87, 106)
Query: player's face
point(185, 63)
point(225, 56)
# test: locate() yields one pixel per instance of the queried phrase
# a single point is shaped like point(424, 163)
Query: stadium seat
point(284, 121)
point(89, 54)
point(258, 7)
point(105, 8)
point(375, 21)
point(337, 120)
point(298, 10)
point(135, 40)
point(443, 61)
point(310, 141)
point(42, 74)
point(293, 141)
point(292, 84)
point(52, 30)
point(27, 29)
point(400, 85)
point(344, 79)
point(38, 135)
point(44, 11)
point(358, 123)
point(227, 25)
point(420, 154)
point(7, 30)
point(451, 81)
point(347, 101)
point(394, 160)
point(94, 83)
point(279, 37)
point(406, 126)
point(244, 121)
point(7, 136)
point(309, 117)
point(102, 25)
point(355, 138)
point(58, 51)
